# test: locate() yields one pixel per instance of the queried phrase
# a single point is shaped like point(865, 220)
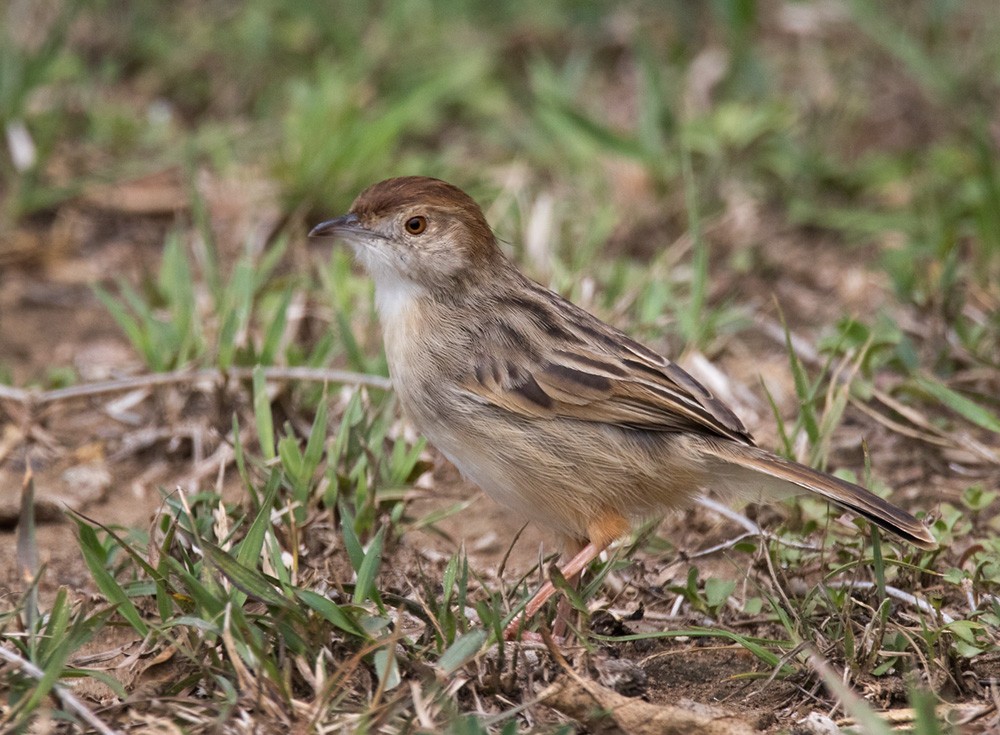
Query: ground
point(116, 467)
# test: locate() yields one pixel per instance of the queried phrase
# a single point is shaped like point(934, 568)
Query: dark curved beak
point(343, 225)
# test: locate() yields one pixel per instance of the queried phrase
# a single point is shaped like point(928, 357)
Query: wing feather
point(586, 370)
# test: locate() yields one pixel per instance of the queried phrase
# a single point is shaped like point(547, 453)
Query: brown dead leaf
point(159, 193)
point(148, 677)
point(21, 247)
point(609, 713)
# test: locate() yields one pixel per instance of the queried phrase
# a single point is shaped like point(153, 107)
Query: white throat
point(395, 296)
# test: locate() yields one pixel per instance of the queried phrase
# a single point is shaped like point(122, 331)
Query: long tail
point(736, 457)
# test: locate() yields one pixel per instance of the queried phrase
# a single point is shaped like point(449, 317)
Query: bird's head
point(417, 232)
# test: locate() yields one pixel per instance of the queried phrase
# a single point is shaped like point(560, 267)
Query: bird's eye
point(416, 225)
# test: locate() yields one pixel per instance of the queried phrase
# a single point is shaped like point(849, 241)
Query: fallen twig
point(895, 592)
point(318, 375)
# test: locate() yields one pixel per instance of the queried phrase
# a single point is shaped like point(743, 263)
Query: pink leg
point(564, 610)
point(572, 568)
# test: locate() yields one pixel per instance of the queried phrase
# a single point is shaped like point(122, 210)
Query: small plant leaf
point(387, 668)
point(463, 650)
point(332, 612)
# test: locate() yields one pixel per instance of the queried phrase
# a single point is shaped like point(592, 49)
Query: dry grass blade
point(934, 434)
point(27, 544)
point(862, 713)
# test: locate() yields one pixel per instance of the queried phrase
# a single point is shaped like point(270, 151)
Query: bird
point(549, 410)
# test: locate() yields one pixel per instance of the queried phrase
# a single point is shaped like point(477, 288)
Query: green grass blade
point(332, 612)
point(252, 544)
point(275, 330)
point(244, 578)
point(351, 542)
point(807, 409)
point(365, 587)
point(55, 628)
point(239, 297)
point(207, 603)
point(94, 556)
point(262, 413)
point(128, 324)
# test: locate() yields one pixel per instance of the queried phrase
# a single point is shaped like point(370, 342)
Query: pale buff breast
point(540, 469)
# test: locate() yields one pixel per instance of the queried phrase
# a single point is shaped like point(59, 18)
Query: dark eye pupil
point(416, 225)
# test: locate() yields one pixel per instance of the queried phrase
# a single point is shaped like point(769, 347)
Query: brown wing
point(582, 368)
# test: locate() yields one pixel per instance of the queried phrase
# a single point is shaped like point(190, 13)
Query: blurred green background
point(613, 129)
point(817, 107)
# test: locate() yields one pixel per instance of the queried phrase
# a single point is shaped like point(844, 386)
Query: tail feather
point(847, 495)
